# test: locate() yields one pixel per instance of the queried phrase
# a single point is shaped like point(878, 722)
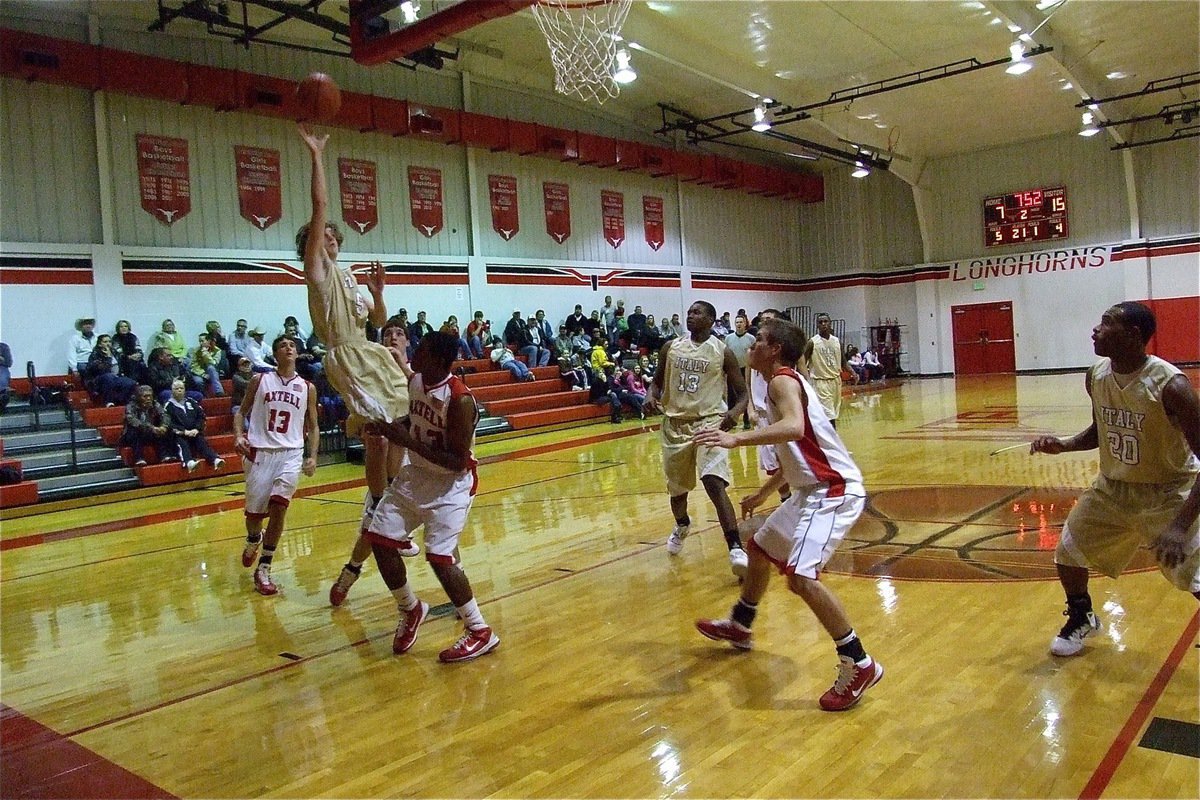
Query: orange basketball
point(319, 97)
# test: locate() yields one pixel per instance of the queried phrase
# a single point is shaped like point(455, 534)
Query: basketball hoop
point(582, 37)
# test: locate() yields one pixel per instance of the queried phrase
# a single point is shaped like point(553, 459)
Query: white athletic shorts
point(1113, 518)
point(682, 458)
point(437, 500)
point(800, 536)
point(271, 477)
point(829, 394)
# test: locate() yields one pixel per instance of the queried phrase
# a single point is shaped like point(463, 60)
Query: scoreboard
point(1035, 215)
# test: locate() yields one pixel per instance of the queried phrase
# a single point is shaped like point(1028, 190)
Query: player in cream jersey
point(1146, 424)
point(689, 387)
point(280, 441)
point(824, 356)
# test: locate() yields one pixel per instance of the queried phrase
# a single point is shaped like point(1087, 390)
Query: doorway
point(983, 338)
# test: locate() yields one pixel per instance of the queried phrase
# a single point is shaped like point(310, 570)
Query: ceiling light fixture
point(764, 118)
point(861, 170)
point(1020, 65)
point(1089, 125)
point(624, 73)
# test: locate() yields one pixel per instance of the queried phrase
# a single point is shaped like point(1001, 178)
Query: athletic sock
point(405, 598)
point(355, 568)
point(268, 553)
point(851, 647)
point(733, 538)
point(1079, 603)
point(470, 614)
point(687, 520)
point(254, 538)
point(743, 613)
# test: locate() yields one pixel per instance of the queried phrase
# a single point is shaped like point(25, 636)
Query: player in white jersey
point(768, 462)
point(800, 536)
point(823, 353)
point(280, 442)
point(689, 386)
point(1146, 424)
point(435, 488)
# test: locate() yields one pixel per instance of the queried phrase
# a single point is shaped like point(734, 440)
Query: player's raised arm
point(376, 280)
point(314, 248)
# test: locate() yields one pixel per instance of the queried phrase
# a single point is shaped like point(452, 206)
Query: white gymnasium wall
point(1168, 177)
point(729, 230)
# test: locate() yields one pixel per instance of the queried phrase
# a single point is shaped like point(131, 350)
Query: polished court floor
point(136, 659)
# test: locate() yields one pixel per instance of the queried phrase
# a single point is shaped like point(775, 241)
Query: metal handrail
point(71, 426)
point(31, 373)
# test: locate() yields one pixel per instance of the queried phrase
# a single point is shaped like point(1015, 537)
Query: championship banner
point(612, 208)
point(652, 221)
point(163, 174)
point(557, 199)
point(259, 196)
point(506, 220)
point(360, 204)
point(425, 197)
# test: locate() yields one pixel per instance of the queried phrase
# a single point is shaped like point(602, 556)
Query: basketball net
point(583, 44)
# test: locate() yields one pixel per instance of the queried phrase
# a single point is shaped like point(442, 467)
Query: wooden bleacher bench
point(174, 472)
point(18, 494)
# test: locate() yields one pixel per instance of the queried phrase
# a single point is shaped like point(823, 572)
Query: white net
point(583, 44)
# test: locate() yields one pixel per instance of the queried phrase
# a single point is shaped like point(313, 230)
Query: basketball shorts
point(682, 458)
point(829, 394)
point(801, 535)
point(368, 379)
point(421, 496)
point(1113, 518)
point(768, 459)
point(271, 474)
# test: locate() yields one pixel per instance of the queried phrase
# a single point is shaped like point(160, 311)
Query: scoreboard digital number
point(1031, 216)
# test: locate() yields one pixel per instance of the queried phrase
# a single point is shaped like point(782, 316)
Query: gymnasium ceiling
point(708, 57)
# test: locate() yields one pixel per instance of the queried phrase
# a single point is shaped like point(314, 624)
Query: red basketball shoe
point(406, 631)
point(262, 581)
point(472, 644)
point(726, 630)
point(852, 682)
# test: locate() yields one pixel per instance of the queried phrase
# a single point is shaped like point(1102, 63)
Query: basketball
point(319, 97)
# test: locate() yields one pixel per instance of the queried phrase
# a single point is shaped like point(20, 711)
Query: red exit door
point(983, 338)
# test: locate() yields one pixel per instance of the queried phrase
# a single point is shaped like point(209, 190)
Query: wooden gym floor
point(137, 661)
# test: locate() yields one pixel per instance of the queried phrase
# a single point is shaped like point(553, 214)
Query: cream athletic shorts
point(682, 458)
point(829, 394)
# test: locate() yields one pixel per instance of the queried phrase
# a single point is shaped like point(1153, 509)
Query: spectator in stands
point(169, 338)
point(593, 326)
point(256, 351)
point(504, 358)
point(721, 327)
point(308, 364)
point(858, 367)
point(581, 345)
point(204, 374)
point(241, 379)
point(129, 352)
point(677, 330)
point(82, 345)
point(103, 374)
point(637, 321)
point(316, 348)
point(562, 343)
point(606, 390)
point(6, 362)
point(575, 377)
point(514, 329)
point(544, 327)
point(652, 367)
point(619, 320)
point(417, 330)
point(600, 359)
point(145, 423)
point(162, 371)
point(664, 328)
point(645, 370)
point(871, 362)
point(297, 333)
point(450, 326)
point(239, 341)
point(576, 320)
point(608, 316)
point(478, 332)
point(631, 390)
point(213, 329)
point(544, 346)
point(649, 338)
point(185, 418)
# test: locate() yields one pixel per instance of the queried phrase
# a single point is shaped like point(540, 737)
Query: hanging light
point(410, 9)
point(1089, 125)
point(861, 170)
point(624, 73)
point(764, 118)
point(1020, 65)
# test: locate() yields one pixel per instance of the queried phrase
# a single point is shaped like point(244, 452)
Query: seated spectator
point(533, 333)
point(514, 329)
point(721, 328)
point(593, 326)
point(241, 379)
point(599, 357)
point(291, 329)
point(873, 367)
point(562, 343)
point(185, 418)
point(82, 345)
point(256, 351)
point(169, 338)
point(581, 345)
point(314, 346)
point(545, 329)
point(630, 390)
point(226, 366)
point(504, 358)
point(417, 330)
point(677, 330)
point(103, 374)
point(162, 371)
point(145, 423)
point(6, 362)
point(478, 332)
point(637, 321)
point(308, 364)
point(858, 367)
point(238, 341)
point(450, 326)
point(574, 376)
point(645, 371)
point(203, 372)
point(665, 329)
point(576, 320)
point(651, 365)
point(129, 352)
point(605, 390)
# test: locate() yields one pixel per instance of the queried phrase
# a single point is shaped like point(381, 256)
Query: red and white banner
point(164, 176)
point(652, 221)
point(557, 199)
point(506, 220)
point(612, 209)
point(259, 196)
point(360, 196)
point(425, 197)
